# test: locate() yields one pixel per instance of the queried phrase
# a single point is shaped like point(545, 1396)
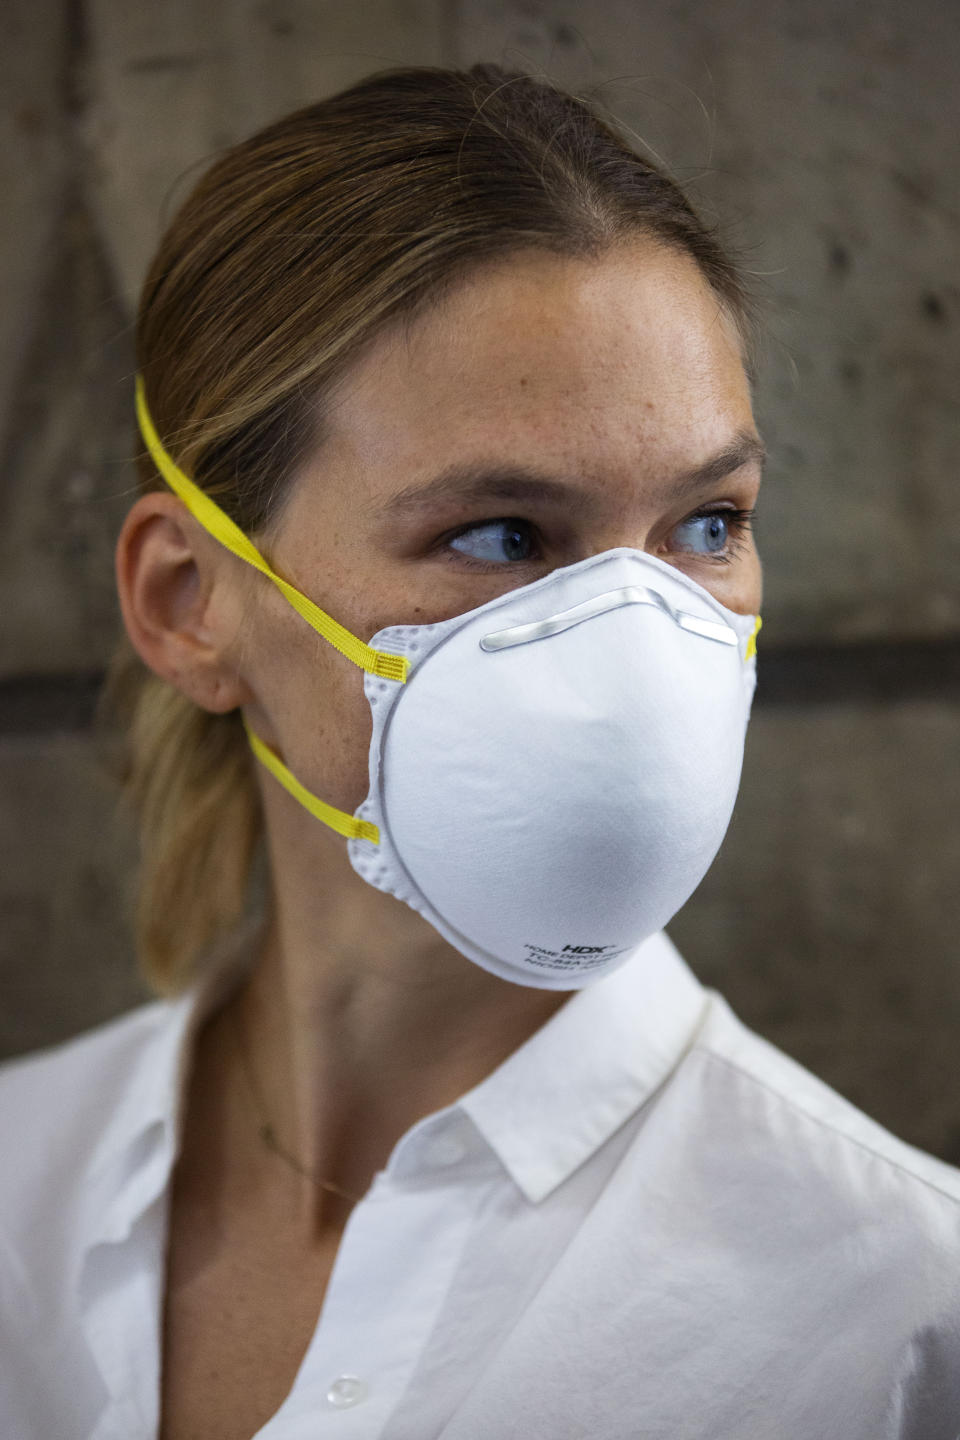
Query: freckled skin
point(622, 369)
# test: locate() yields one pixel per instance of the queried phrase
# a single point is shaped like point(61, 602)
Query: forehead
point(607, 364)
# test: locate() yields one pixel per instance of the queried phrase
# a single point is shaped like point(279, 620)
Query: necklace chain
point(265, 1129)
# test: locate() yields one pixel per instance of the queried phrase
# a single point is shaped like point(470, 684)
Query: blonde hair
point(287, 258)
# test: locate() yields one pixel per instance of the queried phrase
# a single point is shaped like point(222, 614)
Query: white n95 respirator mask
point(551, 774)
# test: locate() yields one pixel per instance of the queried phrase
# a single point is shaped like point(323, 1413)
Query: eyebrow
point(476, 481)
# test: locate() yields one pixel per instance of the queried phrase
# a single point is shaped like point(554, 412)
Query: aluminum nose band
point(610, 600)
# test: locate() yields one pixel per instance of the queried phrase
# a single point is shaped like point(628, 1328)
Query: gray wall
point(824, 132)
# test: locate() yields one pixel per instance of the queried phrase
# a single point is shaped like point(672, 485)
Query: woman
point(442, 600)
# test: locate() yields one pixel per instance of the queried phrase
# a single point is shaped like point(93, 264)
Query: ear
point(182, 601)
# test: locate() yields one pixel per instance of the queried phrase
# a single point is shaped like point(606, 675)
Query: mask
point(551, 774)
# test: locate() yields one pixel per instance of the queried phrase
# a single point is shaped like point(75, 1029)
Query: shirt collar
point(556, 1099)
point(132, 1160)
point(544, 1111)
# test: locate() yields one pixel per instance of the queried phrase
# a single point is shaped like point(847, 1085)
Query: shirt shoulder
point(59, 1104)
point(810, 1118)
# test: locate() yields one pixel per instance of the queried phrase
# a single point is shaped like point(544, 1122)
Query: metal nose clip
point(611, 600)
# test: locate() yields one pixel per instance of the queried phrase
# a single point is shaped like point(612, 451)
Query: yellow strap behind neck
point(214, 520)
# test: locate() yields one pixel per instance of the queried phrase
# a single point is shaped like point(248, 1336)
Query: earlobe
point(176, 602)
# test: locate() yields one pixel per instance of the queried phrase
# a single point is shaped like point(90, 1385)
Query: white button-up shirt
point(646, 1224)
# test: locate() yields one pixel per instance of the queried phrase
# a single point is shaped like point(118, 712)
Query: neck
point(359, 1019)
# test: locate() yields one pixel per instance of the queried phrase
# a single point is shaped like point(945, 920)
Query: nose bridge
point(623, 518)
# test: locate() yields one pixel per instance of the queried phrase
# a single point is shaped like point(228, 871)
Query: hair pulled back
point(286, 259)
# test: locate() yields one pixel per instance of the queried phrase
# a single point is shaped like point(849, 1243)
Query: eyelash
point(740, 523)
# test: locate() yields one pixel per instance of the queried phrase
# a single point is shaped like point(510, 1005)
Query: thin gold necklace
point(265, 1129)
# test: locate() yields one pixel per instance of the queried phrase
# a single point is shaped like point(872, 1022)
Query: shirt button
point(345, 1391)
point(445, 1150)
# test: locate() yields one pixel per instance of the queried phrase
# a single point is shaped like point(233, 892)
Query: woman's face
point(549, 409)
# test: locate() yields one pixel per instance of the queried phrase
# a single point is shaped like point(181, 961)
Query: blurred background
point(824, 135)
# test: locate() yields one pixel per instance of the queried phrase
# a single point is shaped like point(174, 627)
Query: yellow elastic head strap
point(222, 528)
point(752, 642)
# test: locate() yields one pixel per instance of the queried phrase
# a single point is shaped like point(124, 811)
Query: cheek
point(756, 585)
point(738, 586)
point(749, 586)
point(314, 712)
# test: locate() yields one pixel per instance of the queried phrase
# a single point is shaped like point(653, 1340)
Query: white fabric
point(551, 805)
point(647, 1224)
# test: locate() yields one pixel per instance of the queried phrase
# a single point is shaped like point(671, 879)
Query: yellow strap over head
point(752, 642)
point(222, 528)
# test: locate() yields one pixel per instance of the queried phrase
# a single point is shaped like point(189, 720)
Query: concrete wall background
point(824, 132)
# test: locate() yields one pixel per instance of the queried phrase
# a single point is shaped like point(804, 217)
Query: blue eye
point(496, 541)
point(706, 534)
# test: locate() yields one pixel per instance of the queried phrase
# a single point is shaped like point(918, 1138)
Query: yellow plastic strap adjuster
point(218, 524)
point(347, 825)
point(391, 667)
point(752, 642)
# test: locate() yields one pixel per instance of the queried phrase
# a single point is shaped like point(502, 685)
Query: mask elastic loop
point(218, 524)
point(346, 825)
point(752, 642)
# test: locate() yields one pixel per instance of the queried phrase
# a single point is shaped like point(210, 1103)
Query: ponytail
point(188, 775)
